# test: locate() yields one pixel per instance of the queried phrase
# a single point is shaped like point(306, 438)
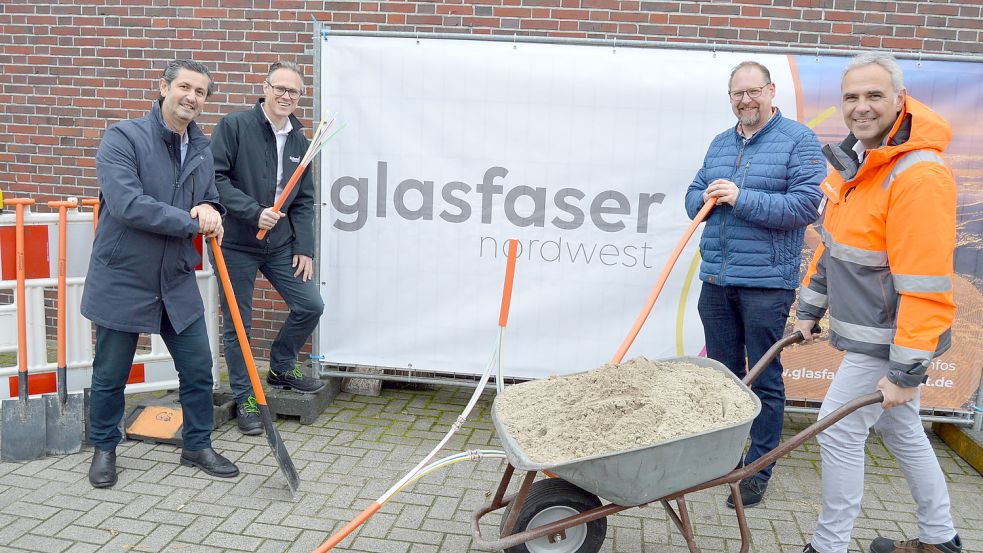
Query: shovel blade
point(22, 430)
point(279, 450)
point(63, 424)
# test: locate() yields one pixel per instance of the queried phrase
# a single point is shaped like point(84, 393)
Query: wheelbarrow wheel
point(551, 500)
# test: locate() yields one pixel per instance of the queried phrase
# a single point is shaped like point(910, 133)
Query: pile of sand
point(619, 407)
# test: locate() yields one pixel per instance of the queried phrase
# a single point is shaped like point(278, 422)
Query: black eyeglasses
point(281, 90)
point(738, 95)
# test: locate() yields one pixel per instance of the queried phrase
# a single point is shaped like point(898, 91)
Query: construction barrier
point(152, 370)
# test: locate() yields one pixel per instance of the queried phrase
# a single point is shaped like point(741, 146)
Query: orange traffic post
point(94, 204)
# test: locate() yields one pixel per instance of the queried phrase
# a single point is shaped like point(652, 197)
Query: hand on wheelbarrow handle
point(769, 356)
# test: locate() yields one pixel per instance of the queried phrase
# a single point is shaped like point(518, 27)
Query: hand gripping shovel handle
point(272, 436)
point(657, 289)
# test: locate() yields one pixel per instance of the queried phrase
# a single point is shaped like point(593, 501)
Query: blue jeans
point(111, 368)
point(303, 299)
point(740, 324)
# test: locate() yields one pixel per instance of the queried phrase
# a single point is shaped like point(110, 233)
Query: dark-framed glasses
point(738, 95)
point(281, 90)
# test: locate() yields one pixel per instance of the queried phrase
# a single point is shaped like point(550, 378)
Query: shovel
point(63, 412)
point(22, 431)
point(272, 436)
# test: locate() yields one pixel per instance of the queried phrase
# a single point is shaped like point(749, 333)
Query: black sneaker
point(809, 549)
point(294, 379)
point(885, 545)
point(247, 417)
point(752, 490)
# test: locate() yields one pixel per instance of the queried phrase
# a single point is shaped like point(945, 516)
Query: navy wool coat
point(143, 259)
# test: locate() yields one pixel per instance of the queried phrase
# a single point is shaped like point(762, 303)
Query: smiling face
point(183, 98)
point(282, 89)
point(753, 113)
point(870, 104)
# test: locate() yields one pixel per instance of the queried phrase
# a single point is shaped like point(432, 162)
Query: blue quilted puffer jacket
point(757, 243)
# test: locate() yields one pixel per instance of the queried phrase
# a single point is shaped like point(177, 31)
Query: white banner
point(582, 153)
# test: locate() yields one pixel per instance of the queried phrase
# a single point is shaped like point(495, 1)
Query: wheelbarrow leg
point(682, 522)
point(517, 503)
point(735, 492)
point(503, 486)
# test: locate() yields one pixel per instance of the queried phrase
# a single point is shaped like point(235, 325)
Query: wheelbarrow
point(565, 513)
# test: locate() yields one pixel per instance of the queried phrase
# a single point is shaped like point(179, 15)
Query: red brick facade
point(72, 67)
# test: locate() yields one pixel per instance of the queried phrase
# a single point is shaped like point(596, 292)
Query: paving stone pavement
point(359, 447)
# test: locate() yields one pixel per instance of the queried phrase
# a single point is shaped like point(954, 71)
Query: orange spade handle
point(283, 195)
point(19, 204)
point(503, 314)
point(63, 207)
point(633, 333)
point(94, 203)
point(349, 528)
point(230, 298)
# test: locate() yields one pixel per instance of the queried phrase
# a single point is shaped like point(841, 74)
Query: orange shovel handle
point(63, 207)
point(94, 204)
point(503, 314)
point(230, 298)
point(657, 289)
point(19, 204)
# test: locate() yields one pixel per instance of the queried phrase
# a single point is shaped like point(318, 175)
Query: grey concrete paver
point(359, 447)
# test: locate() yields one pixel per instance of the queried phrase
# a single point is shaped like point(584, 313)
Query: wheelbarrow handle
point(788, 445)
point(770, 355)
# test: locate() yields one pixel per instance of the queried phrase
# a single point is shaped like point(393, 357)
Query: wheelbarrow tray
point(643, 474)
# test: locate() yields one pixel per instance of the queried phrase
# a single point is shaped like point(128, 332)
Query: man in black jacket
point(256, 152)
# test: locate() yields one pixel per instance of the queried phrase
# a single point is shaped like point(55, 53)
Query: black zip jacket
point(244, 149)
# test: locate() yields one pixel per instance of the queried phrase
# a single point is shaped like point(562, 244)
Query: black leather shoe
point(247, 417)
point(752, 491)
point(210, 462)
point(102, 471)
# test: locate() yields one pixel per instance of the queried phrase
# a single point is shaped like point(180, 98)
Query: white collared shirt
point(861, 150)
point(184, 146)
point(281, 141)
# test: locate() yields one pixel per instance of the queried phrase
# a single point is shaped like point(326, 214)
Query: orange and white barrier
point(152, 370)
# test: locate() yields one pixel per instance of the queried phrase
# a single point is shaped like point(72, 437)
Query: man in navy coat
point(157, 192)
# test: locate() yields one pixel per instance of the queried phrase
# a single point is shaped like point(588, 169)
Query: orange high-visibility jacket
point(884, 268)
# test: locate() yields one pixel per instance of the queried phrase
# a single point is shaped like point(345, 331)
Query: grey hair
point(284, 65)
point(749, 63)
point(173, 66)
point(885, 60)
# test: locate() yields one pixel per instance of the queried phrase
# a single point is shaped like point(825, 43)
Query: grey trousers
point(842, 452)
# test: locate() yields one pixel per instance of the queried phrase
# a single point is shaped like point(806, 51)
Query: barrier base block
point(306, 406)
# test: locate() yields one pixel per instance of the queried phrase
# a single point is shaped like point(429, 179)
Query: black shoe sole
point(109, 484)
point(190, 463)
point(250, 431)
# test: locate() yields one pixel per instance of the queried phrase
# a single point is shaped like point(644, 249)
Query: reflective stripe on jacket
point(884, 268)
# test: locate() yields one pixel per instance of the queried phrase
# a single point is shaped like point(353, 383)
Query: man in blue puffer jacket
point(765, 174)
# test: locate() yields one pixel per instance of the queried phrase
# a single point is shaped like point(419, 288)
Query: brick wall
point(71, 68)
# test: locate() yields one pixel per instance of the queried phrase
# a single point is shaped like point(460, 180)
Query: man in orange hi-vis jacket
point(884, 274)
